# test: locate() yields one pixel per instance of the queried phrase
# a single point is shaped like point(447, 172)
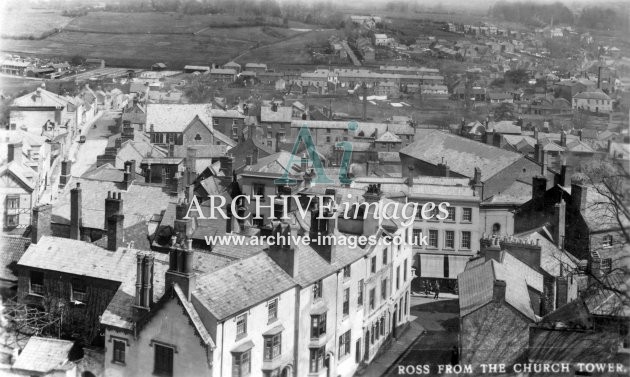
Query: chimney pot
point(499, 291)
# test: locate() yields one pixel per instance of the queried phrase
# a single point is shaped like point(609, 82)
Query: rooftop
point(176, 117)
point(461, 154)
point(43, 355)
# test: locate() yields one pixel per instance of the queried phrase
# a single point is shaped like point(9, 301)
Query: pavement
point(429, 339)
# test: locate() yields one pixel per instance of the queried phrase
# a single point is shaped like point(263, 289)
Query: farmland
point(140, 39)
point(31, 23)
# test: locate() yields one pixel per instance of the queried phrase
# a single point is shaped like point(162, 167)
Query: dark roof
point(239, 286)
point(43, 355)
point(12, 250)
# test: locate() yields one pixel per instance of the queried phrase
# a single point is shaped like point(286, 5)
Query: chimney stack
point(443, 169)
point(40, 222)
point(130, 173)
point(184, 226)
point(75, 212)
point(286, 256)
point(66, 168)
point(113, 206)
point(491, 250)
point(539, 187)
point(144, 281)
point(578, 196)
point(563, 139)
point(498, 293)
point(15, 152)
point(560, 223)
point(226, 165)
point(180, 270)
point(115, 232)
point(476, 183)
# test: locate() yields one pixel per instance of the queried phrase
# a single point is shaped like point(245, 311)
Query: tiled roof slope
point(176, 117)
point(476, 288)
point(461, 154)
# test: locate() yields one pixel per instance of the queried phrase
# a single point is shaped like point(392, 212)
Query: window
point(606, 264)
point(198, 137)
point(373, 265)
point(12, 206)
point(258, 222)
point(258, 189)
point(360, 293)
point(78, 290)
point(385, 256)
point(241, 325)
point(37, 283)
point(417, 237)
point(607, 241)
point(346, 272)
point(241, 364)
point(467, 214)
point(449, 239)
point(273, 346)
point(357, 351)
point(271, 373)
point(328, 139)
point(272, 310)
point(433, 215)
point(398, 278)
point(433, 238)
point(419, 212)
point(465, 240)
point(372, 298)
point(346, 301)
point(451, 214)
point(316, 359)
point(384, 289)
point(119, 351)
point(344, 344)
point(496, 228)
point(405, 271)
point(317, 290)
point(269, 143)
point(269, 135)
point(163, 360)
point(318, 325)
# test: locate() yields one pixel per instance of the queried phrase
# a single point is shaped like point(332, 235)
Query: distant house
point(196, 68)
point(256, 67)
point(275, 123)
point(595, 101)
point(14, 67)
point(380, 40)
point(223, 74)
point(158, 67)
point(232, 65)
point(494, 97)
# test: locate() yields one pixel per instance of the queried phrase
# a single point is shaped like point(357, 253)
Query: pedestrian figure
point(437, 291)
point(454, 356)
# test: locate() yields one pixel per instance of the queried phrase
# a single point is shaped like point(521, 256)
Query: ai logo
point(304, 136)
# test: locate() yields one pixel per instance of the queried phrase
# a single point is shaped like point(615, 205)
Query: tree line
point(542, 14)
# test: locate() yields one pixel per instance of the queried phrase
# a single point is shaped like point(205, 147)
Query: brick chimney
point(129, 174)
point(66, 168)
point(491, 249)
point(180, 268)
point(113, 206)
point(255, 153)
point(40, 222)
point(539, 188)
point(578, 196)
point(498, 292)
point(563, 139)
point(75, 212)
point(476, 183)
point(559, 223)
point(115, 232)
point(286, 256)
point(443, 169)
point(15, 152)
point(144, 282)
point(226, 165)
point(184, 226)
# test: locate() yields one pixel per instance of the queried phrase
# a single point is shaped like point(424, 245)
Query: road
point(96, 141)
point(435, 346)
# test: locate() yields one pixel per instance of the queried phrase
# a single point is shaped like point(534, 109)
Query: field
point(33, 23)
point(140, 39)
point(14, 85)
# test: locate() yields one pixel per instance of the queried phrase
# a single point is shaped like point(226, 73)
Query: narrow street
point(95, 143)
point(440, 319)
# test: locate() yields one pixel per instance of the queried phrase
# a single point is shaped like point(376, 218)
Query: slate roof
point(423, 187)
point(176, 117)
point(136, 208)
point(461, 154)
point(12, 250)
point(476, 288)
point(43, 355)
point(504, 127)
point(277, 163)
point(596, 94)
point(388, 137)
point(105, 172)
point(283, 114)
point(241, 285)
point(40, 98)
point(230, 113)
point(367, 128)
